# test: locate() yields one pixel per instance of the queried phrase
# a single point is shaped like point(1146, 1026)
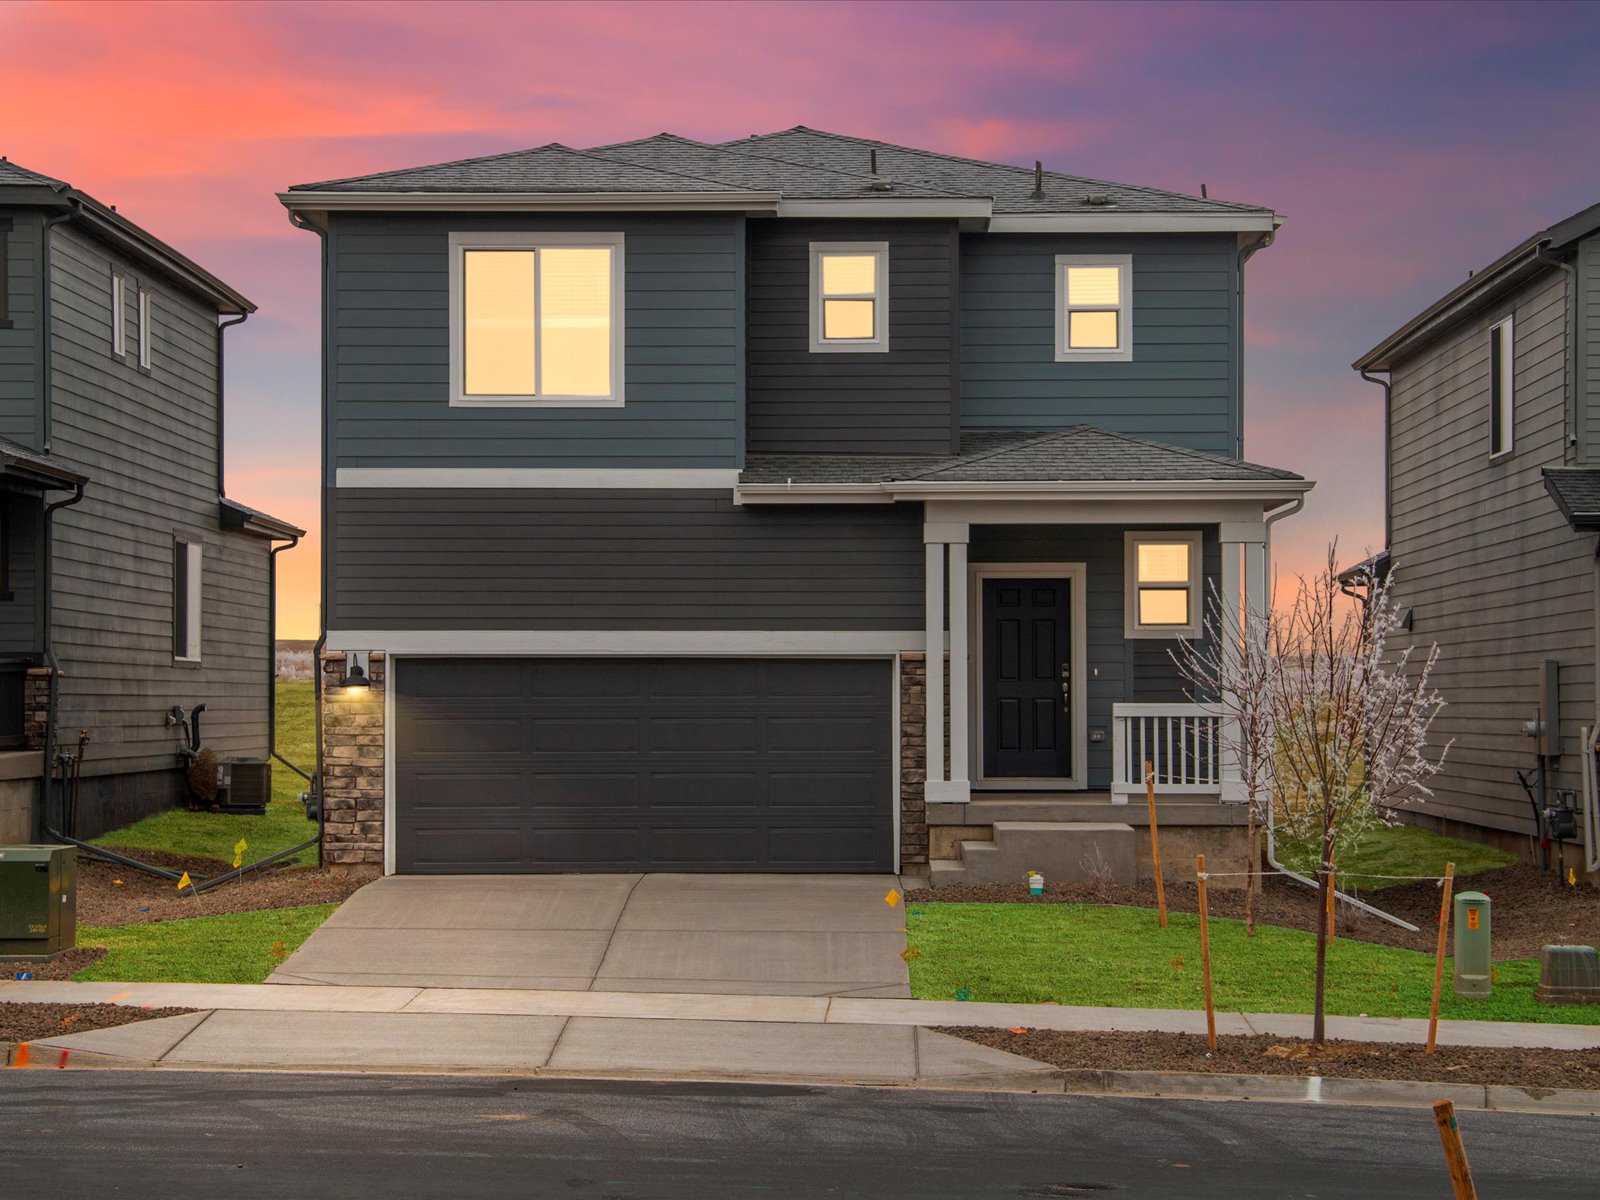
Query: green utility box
point(38, 901)
point(1473, 971)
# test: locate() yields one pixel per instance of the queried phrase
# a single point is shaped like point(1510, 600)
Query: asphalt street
point(96, 1134)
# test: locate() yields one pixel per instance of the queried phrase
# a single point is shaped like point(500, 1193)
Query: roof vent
point(1097, 199)
point(1038, 180)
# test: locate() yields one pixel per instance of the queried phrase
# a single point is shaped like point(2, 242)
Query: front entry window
point(1163, 584)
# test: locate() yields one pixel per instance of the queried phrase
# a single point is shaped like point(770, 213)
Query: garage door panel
point(643, 764)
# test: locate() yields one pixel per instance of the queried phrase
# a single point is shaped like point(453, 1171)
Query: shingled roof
point(1576, 491)
point(1081, 453)
point(12, 175)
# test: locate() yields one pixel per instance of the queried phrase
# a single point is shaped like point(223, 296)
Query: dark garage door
point(643, 764)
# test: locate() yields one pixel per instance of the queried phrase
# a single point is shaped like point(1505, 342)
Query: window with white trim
point(1502, 401)
point(849, 297)
point(119, 314)
point(1163, 584)
point(536, 319)
point(144, 329)
point(187, 562)
point(1094, 307)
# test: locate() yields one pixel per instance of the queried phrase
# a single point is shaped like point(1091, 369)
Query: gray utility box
point(38, 901)
point(1568, 975)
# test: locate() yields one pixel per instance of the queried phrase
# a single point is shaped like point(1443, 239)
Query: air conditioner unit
point(244, 786)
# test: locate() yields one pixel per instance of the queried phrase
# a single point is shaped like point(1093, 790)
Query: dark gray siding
point(902, 401)
point(388, 296)
point(1179, 388)
point(1120, 670)
point(20, 348)
point(1587, 298)
point(19, 601)
point(519, 559)
point(1489, 568)
point(148, 442)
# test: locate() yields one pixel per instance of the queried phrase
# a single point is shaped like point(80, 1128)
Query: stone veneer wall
point(352, 767)
point(914, 756)
point(36, 706)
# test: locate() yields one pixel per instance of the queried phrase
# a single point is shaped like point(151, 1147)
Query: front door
point(1027, 679)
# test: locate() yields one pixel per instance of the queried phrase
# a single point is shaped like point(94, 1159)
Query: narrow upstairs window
point(144, 329)
point(1502, 404)
point(849, 297)
point(186, 593)
point(119, 315)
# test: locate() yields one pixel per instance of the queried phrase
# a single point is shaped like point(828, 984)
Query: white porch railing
point(1181, 742)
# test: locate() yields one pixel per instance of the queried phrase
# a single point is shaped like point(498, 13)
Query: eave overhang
point(37, 473)
point(1269, 492)
point(312, 203)
point(233, 515)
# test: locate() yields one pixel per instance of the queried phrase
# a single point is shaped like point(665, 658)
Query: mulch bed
point(1531, 908)
point(32, 1022)
point(140, 898)
point(62, 967)
point(1262, 1055)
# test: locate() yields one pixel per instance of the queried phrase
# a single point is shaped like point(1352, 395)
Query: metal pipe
point(1245, 253)
point(205, 885)
point(222, 328)
point(1387, 385)
point(1569, 366)
point(272, 657)
point(53, 704)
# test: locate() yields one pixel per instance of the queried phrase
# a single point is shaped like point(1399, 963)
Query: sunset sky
point(1405, 145)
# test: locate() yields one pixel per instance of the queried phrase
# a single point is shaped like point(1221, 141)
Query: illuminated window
point(1163, 584)
point(1094, 308)
point(536, 319)
point(849, 296)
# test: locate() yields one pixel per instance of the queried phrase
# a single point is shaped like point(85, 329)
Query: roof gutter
point(315, 202)
point(1111, 221)
point(891, 491)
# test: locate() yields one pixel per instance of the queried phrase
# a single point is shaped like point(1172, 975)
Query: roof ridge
point(1028, 438)
point(722, 183)
point(452, 162)
point(982, 162)
point(1188, 451)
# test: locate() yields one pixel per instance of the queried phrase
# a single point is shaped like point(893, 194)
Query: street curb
point(1316, 1089)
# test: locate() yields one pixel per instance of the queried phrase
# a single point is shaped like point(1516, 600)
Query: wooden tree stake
point(1205, 952)
point(1438, 958)
point(1455, 1154)
point(1155, 840)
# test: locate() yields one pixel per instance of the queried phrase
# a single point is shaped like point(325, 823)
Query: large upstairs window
point(536, 319)
point(849, 297)
point(1094, 307)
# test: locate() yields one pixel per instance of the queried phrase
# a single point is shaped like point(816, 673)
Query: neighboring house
point(654, 472)
point(1492, 417)
point(121, 560)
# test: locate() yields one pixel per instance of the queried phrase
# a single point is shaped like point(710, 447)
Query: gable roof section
point(1081, 454)
point(1576, 491)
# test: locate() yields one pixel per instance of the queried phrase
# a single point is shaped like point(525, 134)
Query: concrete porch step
point(1063, 851)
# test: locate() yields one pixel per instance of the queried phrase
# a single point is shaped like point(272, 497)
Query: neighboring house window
point(119, 315)
point(144, 329)
point(186, 567)
point(1502, 406)
point(1094, 307)
point(1163, 591)
point(849, 297)
point(536, 319)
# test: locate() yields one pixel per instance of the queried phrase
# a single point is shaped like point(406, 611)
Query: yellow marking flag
point(239, 848)
point(892, 898)
point(185, 882)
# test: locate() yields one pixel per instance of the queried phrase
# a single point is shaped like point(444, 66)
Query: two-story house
point(656, 472)
point(130, 586)
point(1492, 489)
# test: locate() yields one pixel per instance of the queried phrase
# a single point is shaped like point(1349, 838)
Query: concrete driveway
point(780, 935)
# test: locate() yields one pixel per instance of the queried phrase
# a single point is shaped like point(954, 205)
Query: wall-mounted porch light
point(354, 681)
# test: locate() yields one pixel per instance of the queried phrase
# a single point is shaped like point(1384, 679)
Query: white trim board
point(597, 478)
point(644, 643)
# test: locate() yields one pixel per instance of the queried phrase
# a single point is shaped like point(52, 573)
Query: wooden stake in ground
point(1155, 841)
point(1455, 1154)
point(1205, 952)
point(1438, 955)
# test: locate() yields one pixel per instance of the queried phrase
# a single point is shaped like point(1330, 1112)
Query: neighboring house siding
point(19, 608)
point(900, 401)
point(1488, 566)
point(148, 442)
point(388, 306)
point(1179, 387)
point(518, 559)
point(20, 352)
point(1588, 330)
point(1120, 670)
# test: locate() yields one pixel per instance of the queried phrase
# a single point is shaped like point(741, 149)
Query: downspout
point(1388, 386)
point(222, 328)
point(1245, 253)
point(48, 817)
point(272, 657)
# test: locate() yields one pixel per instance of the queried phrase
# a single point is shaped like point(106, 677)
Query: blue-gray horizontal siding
point(1120, 670)
point(21, 348)
point(899, 401)
point(388, 297)
point(541, 559)
point(1179, 386)
point(19, 601)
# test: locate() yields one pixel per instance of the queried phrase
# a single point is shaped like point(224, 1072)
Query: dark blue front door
point(1026, 679)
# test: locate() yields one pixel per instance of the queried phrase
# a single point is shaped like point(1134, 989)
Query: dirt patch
point(32, 1022)
point(109, 894)
point(1531, 908)
point(1294, 1056)
point(63, 966)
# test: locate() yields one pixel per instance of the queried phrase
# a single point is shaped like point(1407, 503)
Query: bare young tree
point(1351, 716)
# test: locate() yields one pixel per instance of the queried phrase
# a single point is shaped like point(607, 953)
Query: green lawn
point(1406, 850)
point(232, 948)
point(1121, 958)
point(213, 835)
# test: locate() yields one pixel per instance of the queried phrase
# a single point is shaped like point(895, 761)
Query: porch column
point(933, 687)
point(1244, 598)
point(941, 541)
point(959, 788)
